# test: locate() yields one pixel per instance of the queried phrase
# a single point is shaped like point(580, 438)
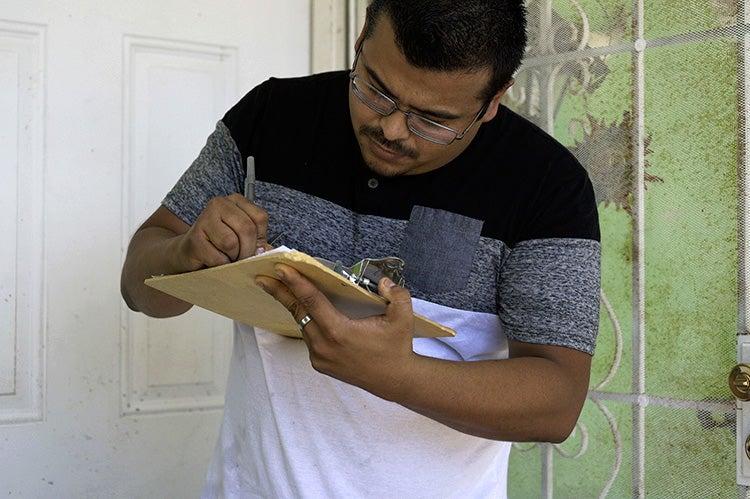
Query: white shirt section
point(479, 336)
point(290, 431)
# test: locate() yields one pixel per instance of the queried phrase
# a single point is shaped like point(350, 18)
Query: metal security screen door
point(646, 95)
point(650, 95)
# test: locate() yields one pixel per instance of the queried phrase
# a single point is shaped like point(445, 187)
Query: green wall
point(690, 250)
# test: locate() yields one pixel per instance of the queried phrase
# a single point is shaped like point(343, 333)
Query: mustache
point(397, 146)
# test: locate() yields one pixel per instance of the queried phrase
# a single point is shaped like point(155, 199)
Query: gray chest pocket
point(438, 248)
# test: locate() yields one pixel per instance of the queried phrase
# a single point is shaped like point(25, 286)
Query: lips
point(384, 152)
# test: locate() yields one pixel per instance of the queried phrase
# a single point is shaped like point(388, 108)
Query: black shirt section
point(514, 177)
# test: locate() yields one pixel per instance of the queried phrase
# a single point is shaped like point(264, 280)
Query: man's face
point(388, 147)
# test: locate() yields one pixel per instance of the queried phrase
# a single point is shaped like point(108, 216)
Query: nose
point(394, 126)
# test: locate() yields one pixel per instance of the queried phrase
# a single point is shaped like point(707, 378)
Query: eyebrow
point(443, 115)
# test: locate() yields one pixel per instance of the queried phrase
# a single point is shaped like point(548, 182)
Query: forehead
point(457, 91)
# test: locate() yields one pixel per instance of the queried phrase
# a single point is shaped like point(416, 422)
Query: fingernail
point(279, 272)
point(388, 283)
point(260, 284)
point(260, 250)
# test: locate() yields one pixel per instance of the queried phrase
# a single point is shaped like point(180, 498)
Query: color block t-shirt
point(501, 243)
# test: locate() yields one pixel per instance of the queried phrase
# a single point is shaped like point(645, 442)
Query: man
point(409, 154)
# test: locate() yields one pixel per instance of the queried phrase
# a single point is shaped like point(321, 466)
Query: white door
point(103, 104)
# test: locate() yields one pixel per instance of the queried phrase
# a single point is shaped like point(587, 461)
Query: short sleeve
point(549, 293)
point(219, 168)
point(549, 284)
point(217, 171)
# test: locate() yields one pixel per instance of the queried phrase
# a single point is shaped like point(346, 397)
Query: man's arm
point(153, 251)
point(535, 395)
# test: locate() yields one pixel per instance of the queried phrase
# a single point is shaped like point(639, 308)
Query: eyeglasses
point(417, 124)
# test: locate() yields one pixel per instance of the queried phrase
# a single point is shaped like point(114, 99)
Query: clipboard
point(230, 290)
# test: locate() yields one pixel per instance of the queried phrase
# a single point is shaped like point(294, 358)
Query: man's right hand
point(229, 229)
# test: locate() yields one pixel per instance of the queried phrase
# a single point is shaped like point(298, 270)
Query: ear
point(494, 104)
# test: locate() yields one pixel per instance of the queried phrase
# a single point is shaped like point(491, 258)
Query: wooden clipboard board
point(230, 290)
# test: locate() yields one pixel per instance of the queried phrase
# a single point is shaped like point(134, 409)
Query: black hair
point(451, 35)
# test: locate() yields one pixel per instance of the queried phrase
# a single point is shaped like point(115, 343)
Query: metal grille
point(650, 95)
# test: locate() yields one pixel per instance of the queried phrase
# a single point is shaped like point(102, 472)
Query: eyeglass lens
point(385, 106)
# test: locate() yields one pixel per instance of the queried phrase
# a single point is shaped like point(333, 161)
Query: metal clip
point(368, 272)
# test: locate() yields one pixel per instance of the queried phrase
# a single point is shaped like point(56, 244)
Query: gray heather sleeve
point(549, 292)
point(217, 171)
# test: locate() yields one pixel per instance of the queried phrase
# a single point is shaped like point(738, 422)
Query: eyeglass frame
point(408, 114)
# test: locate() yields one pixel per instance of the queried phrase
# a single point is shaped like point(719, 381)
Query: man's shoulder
point(279, 94)
point(525, 139)
point(538, 182)
point(519, 153)
point(282, 107)
point(317, 81)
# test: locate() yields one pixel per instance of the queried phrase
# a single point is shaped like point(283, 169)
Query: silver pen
point(250, 179)
point(250, 190)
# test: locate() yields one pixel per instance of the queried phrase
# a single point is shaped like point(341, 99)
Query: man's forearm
point(536, 395)
point(519, 399)
point(150, 253)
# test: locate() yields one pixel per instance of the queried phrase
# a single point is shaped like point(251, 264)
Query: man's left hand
point(374, 353)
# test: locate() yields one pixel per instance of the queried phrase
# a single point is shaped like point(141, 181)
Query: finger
point(244, 227)
point(223, 238)
point(284, 295)
point(258, 215)
point(399, 309)
point(263, 248)
point(310, 297)
point(208, 254)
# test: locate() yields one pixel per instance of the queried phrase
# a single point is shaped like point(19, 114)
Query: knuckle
point(245, 223)
point(215, 261)
point(192, 247)
point(309, 300)
point(318, 361)
point(315, 362)
point(262, 216)
point(337, 332)
point(402, 301)
point(189, 241)
point(248, 227)
point(213, 203)
point(406, 327)
point(293, 305)
point(228, 241)
point(202, 219)
point(335, 336)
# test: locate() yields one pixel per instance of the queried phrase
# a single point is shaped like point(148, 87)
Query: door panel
point(22, 71)
point(175, 364)
point(103, 105)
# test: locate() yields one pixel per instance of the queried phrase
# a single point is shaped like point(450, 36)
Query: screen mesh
point(650, 98)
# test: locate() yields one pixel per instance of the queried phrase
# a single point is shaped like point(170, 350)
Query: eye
point(377, 87)
point(438, 121)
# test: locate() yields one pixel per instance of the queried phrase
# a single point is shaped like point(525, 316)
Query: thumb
point(399, 309)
